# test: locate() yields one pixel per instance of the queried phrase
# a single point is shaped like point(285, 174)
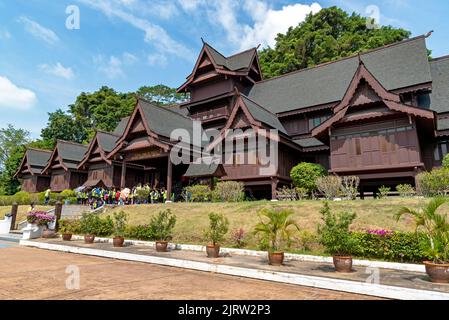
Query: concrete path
point(41, 274)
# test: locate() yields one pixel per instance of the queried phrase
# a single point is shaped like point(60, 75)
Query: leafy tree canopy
point(161, 95)
point(10, 137)
point(325, 36)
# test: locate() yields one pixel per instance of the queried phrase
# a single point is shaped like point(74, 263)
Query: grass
point(192, 218)
point(21, 212)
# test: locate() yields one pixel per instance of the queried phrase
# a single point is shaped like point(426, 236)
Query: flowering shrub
point(238, 238)
point(379, 232)
point(41, 218)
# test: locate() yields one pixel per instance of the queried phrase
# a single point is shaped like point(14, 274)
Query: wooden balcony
point(210, 115)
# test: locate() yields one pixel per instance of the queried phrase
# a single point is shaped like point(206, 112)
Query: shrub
point(22, 197)
point(120, 223)
point(218, 227)
point(330, 186)
point(199, 193)
point(142, 194)
point(307, 239)
point(286, 194)
point(238, 238)
point(67, 194)
point(350, 186)
point(276, 228)
point(391, 246)
point(405, 190)
point(305, 174)
point(140, 232)
point(302, 193)
point(383, 192)
point(434, 183)
point(334, 232)
point(435, 227)
point(229, 191)
point(69, 226)
point(93, 224)
point(446, 162)
point(162, 225)
point(41, 218)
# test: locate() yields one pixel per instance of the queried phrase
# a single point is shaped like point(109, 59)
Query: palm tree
point(276, 226)
point(434, 225)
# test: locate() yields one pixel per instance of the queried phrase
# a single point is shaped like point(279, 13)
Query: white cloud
point(58, 70)
point(154, 34)
point(39, 31)
point(5, 35)
point(157, 59)
point(190, 5)
point(14, 97)
point(112, 66)
point(267, 22)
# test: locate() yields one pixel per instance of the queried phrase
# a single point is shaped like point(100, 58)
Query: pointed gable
point(67, 155)
point(365, 89)
point(100, 145)
point(33, 161)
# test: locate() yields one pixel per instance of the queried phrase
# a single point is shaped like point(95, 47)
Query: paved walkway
point(41, 274)
point(395, 278)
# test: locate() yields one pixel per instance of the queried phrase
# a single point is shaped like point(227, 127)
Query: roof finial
point(429, 33)
point(202, 40)
point(258, 46)
point(359, 57)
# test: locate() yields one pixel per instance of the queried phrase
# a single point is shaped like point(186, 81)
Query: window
point(316, 121)
point(358, 147)
point(441, 150)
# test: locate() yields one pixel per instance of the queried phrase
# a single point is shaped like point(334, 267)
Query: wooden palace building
point(382, 115)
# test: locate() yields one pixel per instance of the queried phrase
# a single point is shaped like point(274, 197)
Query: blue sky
point(129, 43)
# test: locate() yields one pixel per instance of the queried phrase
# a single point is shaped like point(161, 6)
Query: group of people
point(97, 197)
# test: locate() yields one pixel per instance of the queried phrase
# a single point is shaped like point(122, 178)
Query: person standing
point(47, 196)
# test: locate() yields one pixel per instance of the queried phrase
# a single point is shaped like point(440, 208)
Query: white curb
point(288, 256)
point(362, 288)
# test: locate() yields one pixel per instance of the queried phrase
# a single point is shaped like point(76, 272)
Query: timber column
point(169, 179)
point(123, 177)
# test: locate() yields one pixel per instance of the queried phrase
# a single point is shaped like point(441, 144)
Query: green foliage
point(143, 194)
point(218, 227)
point(305, 174)
point(69, 226)
point(67, 194)
point(120, 220)
point(302, 193)
point(229, 191)
point(334, 232)
point(140, 232)
point(435, 226)
point(8, 184)
point(383, 192)
point(405, 190)
point(328, 35)
point(161, 95)
point(10, 138)
point(198, 193)
point(434, 183)
point(446, 162)
point(62, 125)
point(395, 246)
point(162, 225)
point(92, 224)
point(276, 228)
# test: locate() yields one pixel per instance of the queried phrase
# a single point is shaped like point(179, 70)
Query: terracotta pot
point(89, 238)
point(343, 264)
point(161, 246)
point(213, 251)
point(47, 234)
point(275, 258)
point(118, 242)
point(438, 273)
point(66, 236)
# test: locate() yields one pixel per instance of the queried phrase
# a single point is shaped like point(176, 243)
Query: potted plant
point(42, 220)
point(336, 238)
point(89, 225)
point(120, 223)
point(435, 227)
point(161, 227)
point(67, 227)
point(276, 228)
point(218, 227)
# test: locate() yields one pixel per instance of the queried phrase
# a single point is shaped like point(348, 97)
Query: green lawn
point(193, 219)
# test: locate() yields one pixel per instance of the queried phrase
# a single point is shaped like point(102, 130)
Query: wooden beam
point(123, 177)
point(169, 179)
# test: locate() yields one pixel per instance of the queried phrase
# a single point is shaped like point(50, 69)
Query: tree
point(325, 36)
point(305, 174)
point(10, 138)
point(161, 95)
point(62, 125)
point(9, 185)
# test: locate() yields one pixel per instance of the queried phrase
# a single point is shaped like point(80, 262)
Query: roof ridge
point(107, 132)
point(163, 108)
point(242, 52)
point(394, 44)
point(37, 149)
point(71, 142)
